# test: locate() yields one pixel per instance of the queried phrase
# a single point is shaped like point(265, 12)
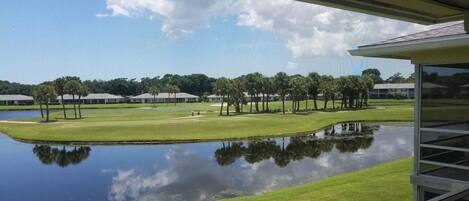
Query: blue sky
point(99, 39)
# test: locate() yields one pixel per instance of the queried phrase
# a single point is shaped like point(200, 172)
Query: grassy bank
point(169, 123)
point(389, 181)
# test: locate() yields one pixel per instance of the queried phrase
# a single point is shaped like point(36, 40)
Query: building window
point(444, 121)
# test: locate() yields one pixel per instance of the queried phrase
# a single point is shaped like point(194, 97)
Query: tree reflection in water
point(346, 138)
point(62, 157)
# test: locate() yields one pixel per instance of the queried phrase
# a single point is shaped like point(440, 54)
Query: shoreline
point(183, 141)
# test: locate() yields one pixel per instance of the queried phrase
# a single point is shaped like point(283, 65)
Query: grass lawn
point(389, 181)
point(169, 123)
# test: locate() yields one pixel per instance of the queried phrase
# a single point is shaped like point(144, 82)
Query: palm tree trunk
point(283, 104)
point(79, 106)
point(47, 111)
point(267, 102)
point(257, 102)
point(63, 106)
point(325, 103)
point(315, 103)
point(228, 106)
point(263, 102)
point(42, 111)
point(221, 108)
point(154, 99)
point(333, 102)
point(306, 107)
point(250, 107)
point(293, 102)
point(74, 106)
point(175, 98)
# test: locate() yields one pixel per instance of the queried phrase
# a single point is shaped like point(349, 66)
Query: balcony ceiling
point(418, 11)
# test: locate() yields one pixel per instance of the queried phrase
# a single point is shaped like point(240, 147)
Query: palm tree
point(236, 93)
point(73, 87)
point(59, 85)
point(82, 92)
point(369, 84)
point(220, 89)
point(45, 94)
point(154, 91)
point(327, 89)
point(281, 81)
point(251, 87)
point(37, 96)
point(173, 89)
point(298, 90)
point(313, 87)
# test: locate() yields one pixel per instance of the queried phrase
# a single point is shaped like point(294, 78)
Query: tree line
point(352, 91)
point(197, 84)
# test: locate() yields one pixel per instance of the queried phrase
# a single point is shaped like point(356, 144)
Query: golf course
point(188, 122)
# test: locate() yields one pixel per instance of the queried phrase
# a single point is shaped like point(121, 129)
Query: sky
point(106, 39)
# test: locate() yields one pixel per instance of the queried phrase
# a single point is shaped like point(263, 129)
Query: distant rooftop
point(15, 97)
point(93, 96)
point(394, 86)
point(165, 95)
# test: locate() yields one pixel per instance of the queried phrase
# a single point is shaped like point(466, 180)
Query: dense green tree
point(15, 88)
point(396, 78)
point(374, 74)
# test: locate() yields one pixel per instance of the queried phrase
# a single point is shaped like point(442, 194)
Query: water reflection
point(61, 156)
point(347, 138)
point(194, 171)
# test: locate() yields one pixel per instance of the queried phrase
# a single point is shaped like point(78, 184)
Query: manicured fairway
point(169, 123)
point(385, 182)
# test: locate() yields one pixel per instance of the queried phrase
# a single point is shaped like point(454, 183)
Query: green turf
point(175, 123)
point(389, 181)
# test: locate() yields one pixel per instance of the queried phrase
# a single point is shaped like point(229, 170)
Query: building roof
point(450, 30)
point(93, 96)
point(451, 36)
point(165, 95)
point(428, 85)
point(395, 86)
point(417, 11)
point(15, 97)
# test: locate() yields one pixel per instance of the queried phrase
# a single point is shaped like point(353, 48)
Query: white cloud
point(308, 30)
point(292, 65)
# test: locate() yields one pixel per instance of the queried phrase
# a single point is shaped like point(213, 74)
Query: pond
point(9, 115)
point(194, 171)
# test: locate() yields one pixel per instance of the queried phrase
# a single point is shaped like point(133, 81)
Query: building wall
point(17, 102)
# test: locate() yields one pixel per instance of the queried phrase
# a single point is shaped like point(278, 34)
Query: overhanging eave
point(404, 49)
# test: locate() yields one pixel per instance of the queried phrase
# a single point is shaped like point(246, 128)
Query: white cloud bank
point(308, 30)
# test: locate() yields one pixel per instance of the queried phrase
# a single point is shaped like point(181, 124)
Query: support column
point(417, 101)
point(466, 22)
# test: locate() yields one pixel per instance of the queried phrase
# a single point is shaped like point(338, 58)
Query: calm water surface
point(8, 115)
point(197, 171)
